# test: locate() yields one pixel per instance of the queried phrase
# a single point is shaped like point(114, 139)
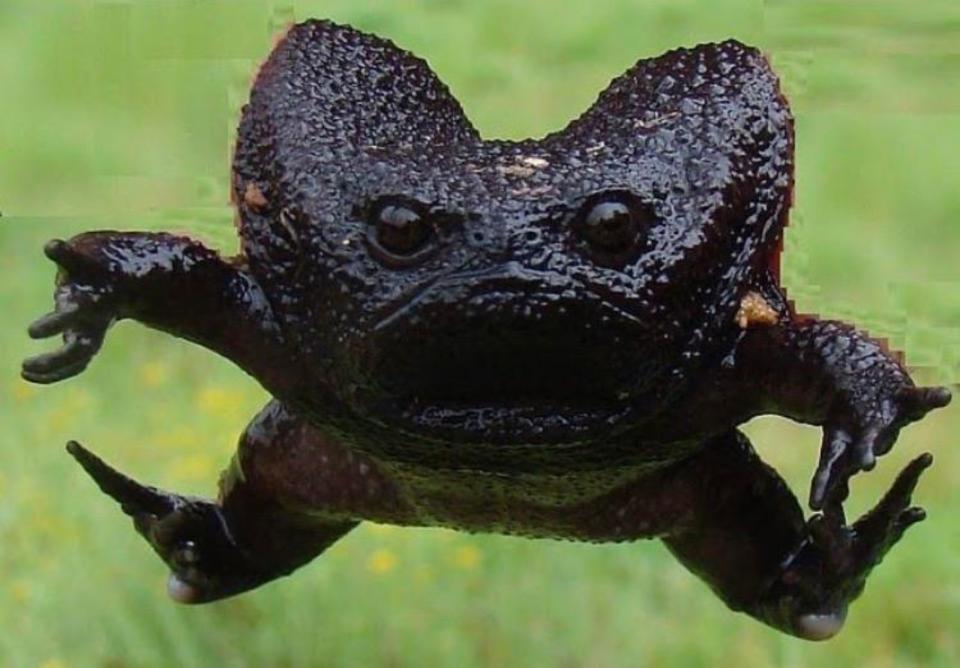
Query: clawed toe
point(76, 350)
point(29, 373)
point(879, 529)
point(64, 254)
point(66, 362)
point(852, 442)
point(56, 250)
point(916, 402)
point(53, 323)
point(909, 517)
point(830, 568)
point(192, 536)
point(85, 310)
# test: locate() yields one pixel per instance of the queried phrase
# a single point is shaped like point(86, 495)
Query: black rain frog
point(549, 338)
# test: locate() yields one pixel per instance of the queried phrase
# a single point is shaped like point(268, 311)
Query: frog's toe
point(819, 625)
point(883, 526)
point(134, 499)
point(182, 591)
point(916, 402)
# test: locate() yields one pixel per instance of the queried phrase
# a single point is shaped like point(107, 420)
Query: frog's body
point(551, 338)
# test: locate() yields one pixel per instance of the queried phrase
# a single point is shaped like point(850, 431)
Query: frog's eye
point(400, 229)
point(610, 226)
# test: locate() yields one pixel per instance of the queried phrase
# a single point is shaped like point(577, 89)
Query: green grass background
point(121, 115)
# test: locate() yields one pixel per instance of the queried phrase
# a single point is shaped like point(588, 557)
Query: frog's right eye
point(401, 231)
point(611, 226)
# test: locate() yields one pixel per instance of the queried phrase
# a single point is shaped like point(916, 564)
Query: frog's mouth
point(533, 423)
point(513, 380)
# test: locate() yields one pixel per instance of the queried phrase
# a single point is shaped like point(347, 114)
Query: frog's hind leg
point(747, 538)
point(245, 538)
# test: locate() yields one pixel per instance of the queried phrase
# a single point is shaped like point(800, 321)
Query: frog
point(556, 337)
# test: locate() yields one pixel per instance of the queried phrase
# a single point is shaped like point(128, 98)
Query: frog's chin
point(514, 424)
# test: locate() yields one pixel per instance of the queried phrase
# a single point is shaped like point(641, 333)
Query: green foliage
point(120, 115)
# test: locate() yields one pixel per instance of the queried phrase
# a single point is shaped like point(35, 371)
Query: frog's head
point(542, 290)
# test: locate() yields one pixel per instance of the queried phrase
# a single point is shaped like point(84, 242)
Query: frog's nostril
point(478, 237)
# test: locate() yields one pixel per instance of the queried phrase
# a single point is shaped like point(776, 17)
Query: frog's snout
point(820, 626)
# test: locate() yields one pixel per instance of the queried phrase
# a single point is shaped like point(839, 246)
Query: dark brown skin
point(549, 338)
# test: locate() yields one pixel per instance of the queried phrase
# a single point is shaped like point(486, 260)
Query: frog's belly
point(611, 505)
point(312, 472)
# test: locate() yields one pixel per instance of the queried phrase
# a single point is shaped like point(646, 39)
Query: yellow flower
point(154, 374)
point(194, 467)
point(22, 391)
point(223, 403)
point(467, 557)
point(53, 663)
point(20, 591)
point(381, 562)
point(217, 400)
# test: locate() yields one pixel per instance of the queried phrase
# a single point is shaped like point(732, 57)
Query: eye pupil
point(401, 230)
point(610, 226)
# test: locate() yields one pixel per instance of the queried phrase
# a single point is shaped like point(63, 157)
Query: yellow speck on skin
point(467, 557)
point(755, 311)
point(154, 374)
point(253, 197)
point(536, 163)
point(381, 561)
point(516, 170)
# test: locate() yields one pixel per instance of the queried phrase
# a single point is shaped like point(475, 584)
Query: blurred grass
point(120, 114)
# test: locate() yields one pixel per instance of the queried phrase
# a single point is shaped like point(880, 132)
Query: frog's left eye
point(401, 231)
point(609, 226)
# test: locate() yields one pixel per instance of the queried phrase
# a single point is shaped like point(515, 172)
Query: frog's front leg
point(745, 535)
point(829, 374)
point(164, 281)
point(819, 372)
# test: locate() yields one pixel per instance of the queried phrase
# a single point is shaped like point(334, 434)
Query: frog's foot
point(86, 306)
point(192, 536)
point(828, 571)
point(864, 427)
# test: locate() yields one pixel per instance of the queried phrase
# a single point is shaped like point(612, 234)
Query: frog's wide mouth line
point(504, 423)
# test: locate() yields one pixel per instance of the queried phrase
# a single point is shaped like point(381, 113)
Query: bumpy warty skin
point(553, 338)
point(700, 139)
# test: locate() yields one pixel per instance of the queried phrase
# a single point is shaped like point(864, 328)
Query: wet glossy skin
point(508, 282)
point(552, 338)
